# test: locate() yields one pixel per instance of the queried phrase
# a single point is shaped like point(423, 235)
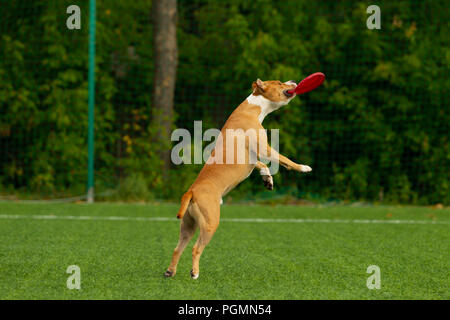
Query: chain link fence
point(376, 131)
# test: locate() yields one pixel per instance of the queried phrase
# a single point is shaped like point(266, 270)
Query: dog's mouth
point(288, 93)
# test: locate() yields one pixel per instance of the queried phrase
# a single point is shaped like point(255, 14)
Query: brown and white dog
point(200, 205)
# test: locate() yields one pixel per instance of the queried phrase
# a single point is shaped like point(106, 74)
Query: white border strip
point(251, 220)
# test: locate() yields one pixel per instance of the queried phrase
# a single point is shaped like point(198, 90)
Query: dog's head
point(274, 90)
point(271, 95)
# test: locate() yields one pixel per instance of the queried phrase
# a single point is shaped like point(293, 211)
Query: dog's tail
point(185, 200)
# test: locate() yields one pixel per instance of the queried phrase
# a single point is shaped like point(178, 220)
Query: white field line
point(251, 220)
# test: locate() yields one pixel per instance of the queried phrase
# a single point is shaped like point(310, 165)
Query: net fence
point(376, 130)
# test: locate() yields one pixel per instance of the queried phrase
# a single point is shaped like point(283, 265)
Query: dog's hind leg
point(187, 230)
point(208, 221)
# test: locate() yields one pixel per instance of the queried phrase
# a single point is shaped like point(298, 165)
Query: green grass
point(245, 260)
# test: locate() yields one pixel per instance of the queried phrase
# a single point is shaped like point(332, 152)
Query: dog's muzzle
point(288, 94)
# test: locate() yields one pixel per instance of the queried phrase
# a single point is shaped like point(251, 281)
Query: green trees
point(377, 128)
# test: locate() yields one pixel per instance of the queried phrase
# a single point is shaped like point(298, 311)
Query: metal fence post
point(91, 101)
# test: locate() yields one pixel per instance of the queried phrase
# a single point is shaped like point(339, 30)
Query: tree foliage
point(377, 128)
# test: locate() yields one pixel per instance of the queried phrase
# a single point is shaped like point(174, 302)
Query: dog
point(200, 205)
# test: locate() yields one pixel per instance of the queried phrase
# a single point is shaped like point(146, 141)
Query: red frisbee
point(309, 83)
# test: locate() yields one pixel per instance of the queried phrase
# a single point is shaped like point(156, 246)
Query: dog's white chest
point(266, 105)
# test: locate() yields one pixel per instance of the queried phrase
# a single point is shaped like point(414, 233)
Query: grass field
point(125, 257)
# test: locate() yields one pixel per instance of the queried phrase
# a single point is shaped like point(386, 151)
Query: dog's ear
point(258, 85)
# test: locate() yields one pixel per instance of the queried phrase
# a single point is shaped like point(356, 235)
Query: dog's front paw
point(304, 168)
point(268, 182)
